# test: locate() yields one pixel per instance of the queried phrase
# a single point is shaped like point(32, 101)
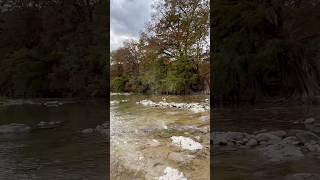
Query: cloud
point(128, 19)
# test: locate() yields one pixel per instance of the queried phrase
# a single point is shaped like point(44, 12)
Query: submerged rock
point(267, 138)
point(307, 137)
point(172, 174)
point(114, 102)
point(103, 129)
point(186, 143)
point(87, 131)
point(303, 176)
point(48, 125)
point(282, 151)
point(14, 128)
point(153, 143)
point(52, 103)
point(180, 157)
point(312, 125)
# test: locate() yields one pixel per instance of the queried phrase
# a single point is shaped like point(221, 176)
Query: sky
point(128, 19)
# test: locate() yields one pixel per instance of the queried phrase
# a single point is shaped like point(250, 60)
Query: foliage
point(265, 49)
point(53, 48)
point(171, 53)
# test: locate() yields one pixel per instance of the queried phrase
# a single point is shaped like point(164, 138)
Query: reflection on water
point(140, 139)
point(248, 164)
point(62, 152)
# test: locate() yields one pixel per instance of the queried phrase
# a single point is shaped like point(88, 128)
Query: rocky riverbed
point(266, 143)
point(167, 140)
point(42, 139)
point(275, 145)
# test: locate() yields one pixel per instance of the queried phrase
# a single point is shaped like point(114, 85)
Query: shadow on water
point(60, 152)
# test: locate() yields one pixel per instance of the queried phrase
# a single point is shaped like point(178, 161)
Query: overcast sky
point(128, 18)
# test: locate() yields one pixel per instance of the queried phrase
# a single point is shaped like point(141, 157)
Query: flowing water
point(140, 140)
point(248, 164)
point(57, 153)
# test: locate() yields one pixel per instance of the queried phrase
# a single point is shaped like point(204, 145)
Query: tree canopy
point(265, 49)
point(53, 48)
point(171, 55)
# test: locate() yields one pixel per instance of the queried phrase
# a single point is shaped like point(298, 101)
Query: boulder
point(252, 142)
point(279, 133)
point(267, 138)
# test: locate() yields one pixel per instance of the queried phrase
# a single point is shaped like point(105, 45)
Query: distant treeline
point(172, 54)
point(265, 49)
point(53, 48)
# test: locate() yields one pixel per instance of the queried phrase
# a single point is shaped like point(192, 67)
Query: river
point(58, 152)
point(239, 164)
point(141, 146)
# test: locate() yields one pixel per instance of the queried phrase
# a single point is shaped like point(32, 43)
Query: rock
point(48, 125)
point(235, 136)
point(309, 121)
point(281, 152)
point(252, 142)
point(279, 133)
point(114, 102)
point(205, 118)
point(189, 128)
point(103, 129)
point(311, 125)
point(229, 138)
point(293, 140)
point(153, 143)
point(307, 137)
point(303, 176)
point(186, 143)
point(267, 138)
point(86, 131)
point(52, 103)
point(195, 107)
point(172, 174)
point(14, 128)
point(313, 146)
point(180, 157)
point(205, 129)
point(219, 138)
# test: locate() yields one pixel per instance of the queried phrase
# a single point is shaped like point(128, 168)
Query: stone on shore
point(195, 107)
